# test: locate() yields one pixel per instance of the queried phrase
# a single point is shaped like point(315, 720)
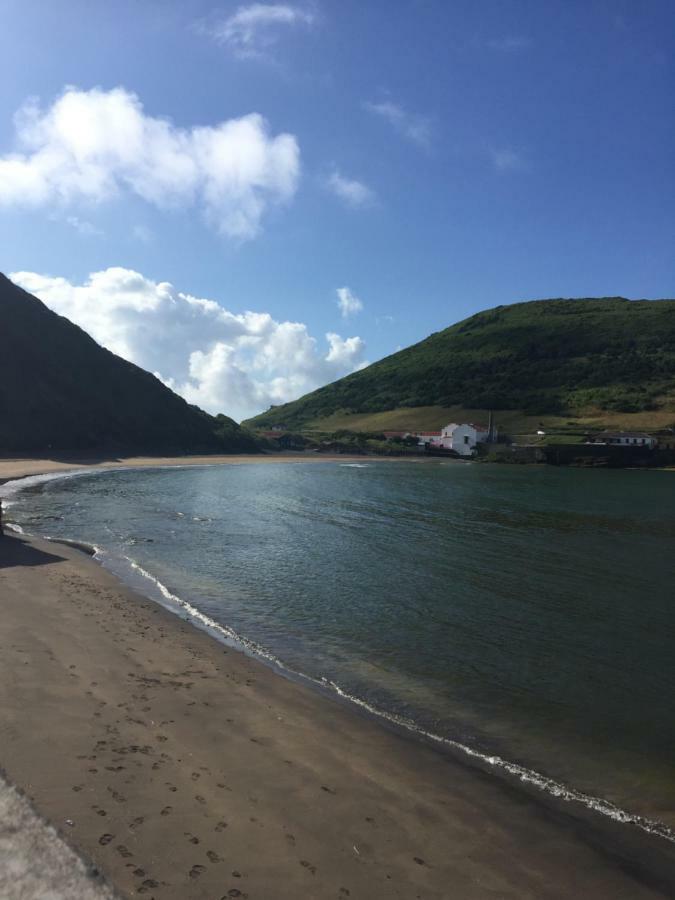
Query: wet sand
point(189, 770)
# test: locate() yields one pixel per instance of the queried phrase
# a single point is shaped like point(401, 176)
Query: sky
point(253, 199)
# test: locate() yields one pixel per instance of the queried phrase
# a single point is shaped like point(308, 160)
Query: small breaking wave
point(12, 526)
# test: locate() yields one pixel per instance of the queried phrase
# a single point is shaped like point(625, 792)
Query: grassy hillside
point(593, 361)
point(61, 391)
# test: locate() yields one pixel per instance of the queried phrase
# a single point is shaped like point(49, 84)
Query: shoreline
point(22, 467)
point(616, 839)
point(146, 585)
point(363, 802)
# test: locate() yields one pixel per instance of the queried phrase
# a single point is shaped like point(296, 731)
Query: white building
point(466, 437)
point(460, 438)
point(446, 435)
point(625, 439)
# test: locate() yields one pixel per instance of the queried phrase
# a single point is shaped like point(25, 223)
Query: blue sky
point(441, 158)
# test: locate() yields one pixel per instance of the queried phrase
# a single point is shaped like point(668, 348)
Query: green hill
point(61, 391)
point(605, 361)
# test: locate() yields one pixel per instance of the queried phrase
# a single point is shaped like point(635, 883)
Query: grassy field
point(513, 422)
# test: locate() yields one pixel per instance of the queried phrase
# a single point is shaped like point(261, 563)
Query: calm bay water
point(527, 612)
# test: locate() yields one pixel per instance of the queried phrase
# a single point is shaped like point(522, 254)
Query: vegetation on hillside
point(542, 358)
point(61, 391)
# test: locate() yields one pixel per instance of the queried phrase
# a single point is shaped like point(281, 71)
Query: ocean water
point(524, 614)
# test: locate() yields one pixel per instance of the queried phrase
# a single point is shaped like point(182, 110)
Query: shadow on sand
point(14, 551)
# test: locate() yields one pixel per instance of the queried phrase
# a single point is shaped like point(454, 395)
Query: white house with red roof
point(463, 438)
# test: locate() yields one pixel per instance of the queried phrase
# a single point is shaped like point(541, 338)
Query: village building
point(430, 438)
point(625, 439)
point(465, 438)
point(462, 439)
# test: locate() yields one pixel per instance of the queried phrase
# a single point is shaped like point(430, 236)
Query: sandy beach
point(189, 770)
point(22, 467)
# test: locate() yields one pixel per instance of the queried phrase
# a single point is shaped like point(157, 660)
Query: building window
point(466, 438)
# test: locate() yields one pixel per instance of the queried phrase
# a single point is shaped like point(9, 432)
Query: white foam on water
point(14, 527)
point(354, 465)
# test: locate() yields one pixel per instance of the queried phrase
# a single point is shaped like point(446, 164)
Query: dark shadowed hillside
point(61, 391)
point(546, 357)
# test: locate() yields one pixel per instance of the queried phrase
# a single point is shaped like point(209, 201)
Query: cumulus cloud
point(352, 192)
point(413, 127)
point(252, 30)
point(348, 303)
point(93, 145)
point(237, 363)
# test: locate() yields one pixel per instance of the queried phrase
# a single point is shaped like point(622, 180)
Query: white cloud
point(352, 192)
point(224, 362)
point(415, 128)
point(252, 30)
point(349, 304)
point(92, 145)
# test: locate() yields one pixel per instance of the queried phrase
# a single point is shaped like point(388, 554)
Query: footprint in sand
point(213, 857)
point(196, 871)
point(191, 837)
point(199, 798)
point(221, 826)
point(308, 866)
point(166, 811)
point(196, 776)
point(420, 862)
point(123, 851)
point(105, 839)
point(148, 885)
